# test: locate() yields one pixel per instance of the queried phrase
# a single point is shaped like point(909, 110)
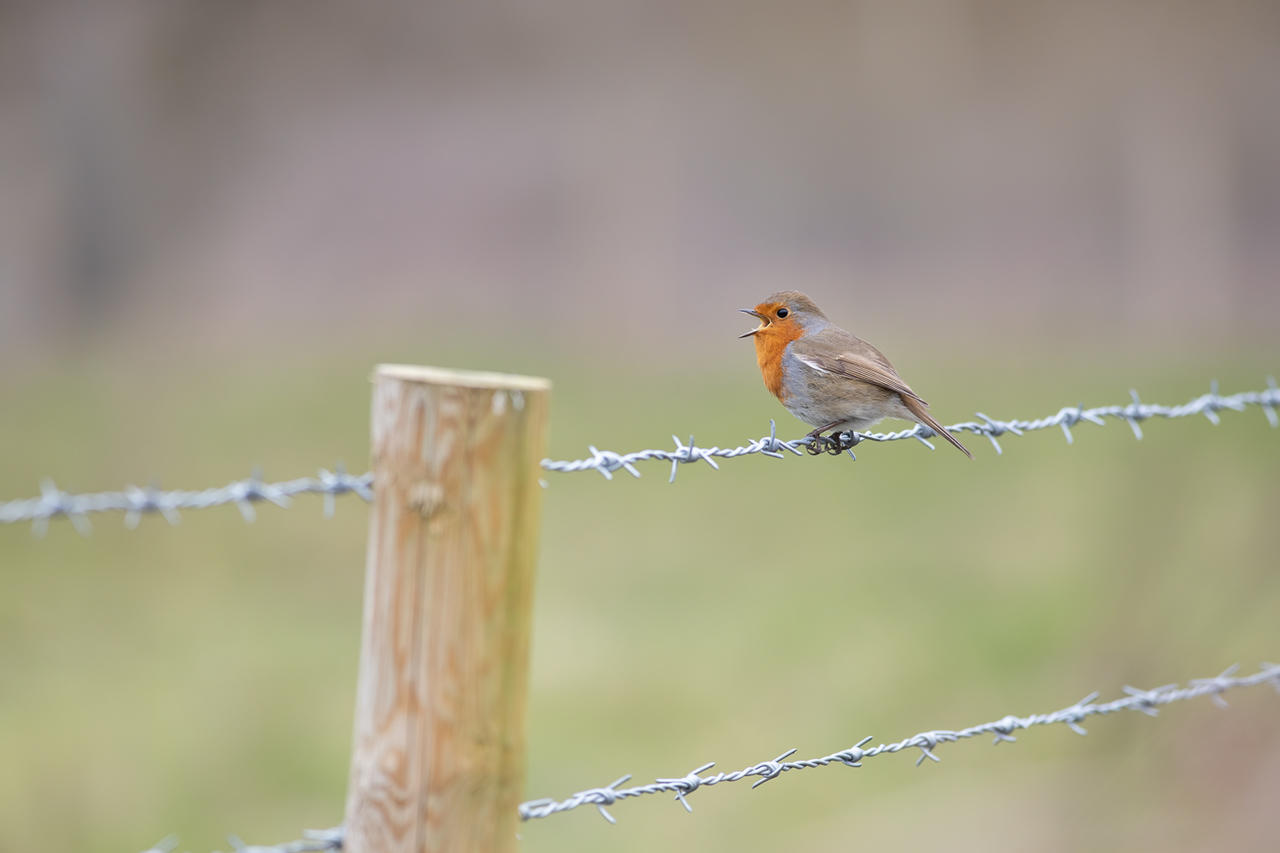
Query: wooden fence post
point(438, 756)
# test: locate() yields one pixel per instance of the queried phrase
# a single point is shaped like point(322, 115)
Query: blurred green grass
point(199, 679)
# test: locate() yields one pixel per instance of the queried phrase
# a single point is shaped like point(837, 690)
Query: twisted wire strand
point(135, 502)
point(312, 841)
point(1145, 701)
point(1134, 413)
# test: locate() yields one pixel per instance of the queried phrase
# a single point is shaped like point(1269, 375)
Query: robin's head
point(786, 314)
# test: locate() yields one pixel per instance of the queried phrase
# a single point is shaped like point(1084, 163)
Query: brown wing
point(838, 352)
point(917, 407)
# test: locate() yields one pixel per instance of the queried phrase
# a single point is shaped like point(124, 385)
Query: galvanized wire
point(1146, 701)
point(1133, 413)
point(313, 840)
point(135, 502)
point(681, 787)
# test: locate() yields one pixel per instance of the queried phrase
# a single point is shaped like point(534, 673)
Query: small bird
point(826, 377)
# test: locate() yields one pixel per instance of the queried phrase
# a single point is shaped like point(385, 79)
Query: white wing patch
point(811, 363)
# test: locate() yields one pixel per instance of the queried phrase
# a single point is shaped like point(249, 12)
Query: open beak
point(757, 315)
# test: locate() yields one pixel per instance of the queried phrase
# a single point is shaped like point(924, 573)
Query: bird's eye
point(782, 313)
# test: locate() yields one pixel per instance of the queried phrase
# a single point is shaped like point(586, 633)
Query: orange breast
point(771, 343)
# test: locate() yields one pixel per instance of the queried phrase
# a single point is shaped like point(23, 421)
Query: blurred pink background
point(189, 175)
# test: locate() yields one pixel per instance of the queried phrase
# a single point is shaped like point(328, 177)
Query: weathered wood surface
point(438, 755)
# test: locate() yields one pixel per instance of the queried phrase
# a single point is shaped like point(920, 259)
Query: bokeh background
point(217, 217)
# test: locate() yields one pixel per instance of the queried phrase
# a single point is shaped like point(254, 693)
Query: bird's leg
point(818, 442)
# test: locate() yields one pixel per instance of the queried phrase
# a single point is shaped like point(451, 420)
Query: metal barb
point(312, 841)
point(687, 784)
point(768, 770)
point(1133, 413)
point(1269, 405)
point(164, 845)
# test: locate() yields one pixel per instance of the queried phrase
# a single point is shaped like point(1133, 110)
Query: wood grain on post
point(438, 758)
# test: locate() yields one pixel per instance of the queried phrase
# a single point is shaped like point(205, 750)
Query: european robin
point(826, 377)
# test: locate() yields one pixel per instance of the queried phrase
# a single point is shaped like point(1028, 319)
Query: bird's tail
point(921, 412)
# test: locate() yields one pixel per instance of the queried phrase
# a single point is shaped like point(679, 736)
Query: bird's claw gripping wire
point(833, 444)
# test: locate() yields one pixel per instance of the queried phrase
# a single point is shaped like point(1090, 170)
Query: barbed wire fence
point(1133, 413)
point(136, 502)
point(1147, 702)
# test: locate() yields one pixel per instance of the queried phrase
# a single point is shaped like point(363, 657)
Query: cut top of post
point(462, 378)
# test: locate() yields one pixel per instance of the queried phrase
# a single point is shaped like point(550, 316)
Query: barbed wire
point(1134, 412)
point(1135, 699)
point(1146, 701)
point(313, 841)
point(135, 502)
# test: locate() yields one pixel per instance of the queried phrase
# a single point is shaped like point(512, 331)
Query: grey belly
point(820, 399)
